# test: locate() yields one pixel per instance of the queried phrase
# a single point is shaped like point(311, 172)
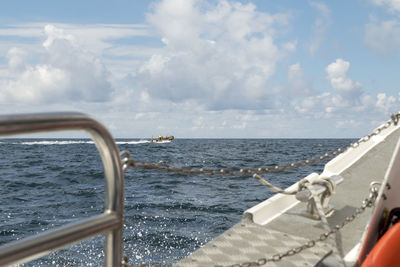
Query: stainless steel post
point(110, 223)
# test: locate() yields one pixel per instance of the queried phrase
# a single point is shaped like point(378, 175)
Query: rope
point(309, 183)
point(331, 239)
point(302, 184)
point(274, 188)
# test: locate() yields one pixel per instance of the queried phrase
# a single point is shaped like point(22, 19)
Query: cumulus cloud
point(349, 90)
point(65, 73)
point(103, 41)
point(16, 59)
point(387, 103)
point(345, 101)
point(223, 55)
point(320, 26)
point(216, 69)
point(345, 98)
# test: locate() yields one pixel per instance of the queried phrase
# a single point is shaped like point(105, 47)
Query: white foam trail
point(132, 142)
point(141, 142)
point(53, 142)
point(70, 142)
point(162, 142)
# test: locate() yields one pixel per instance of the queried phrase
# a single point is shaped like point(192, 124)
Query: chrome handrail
point(110, 223)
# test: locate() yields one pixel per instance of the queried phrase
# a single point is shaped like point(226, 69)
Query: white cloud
point(65, 73)
point(178, 21)
point(102, 40)
point(349, 90)
point(391, 5)
point(95, 37)
point(223, 55)
point(215, 70)
point(298, 85)
point(54, 34)
point(387, 104)
point(341, 118)
point(383, 37)
point(16, 59)
point(320, 26)
point(317, 106)
point(347, 100)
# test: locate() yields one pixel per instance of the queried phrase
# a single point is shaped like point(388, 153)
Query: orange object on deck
point(386, 251)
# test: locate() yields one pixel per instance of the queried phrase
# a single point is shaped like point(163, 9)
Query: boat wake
point(79, 142)
point(53, 142)
point(141, 142)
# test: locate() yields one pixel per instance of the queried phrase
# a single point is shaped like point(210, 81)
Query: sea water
point(45, 183)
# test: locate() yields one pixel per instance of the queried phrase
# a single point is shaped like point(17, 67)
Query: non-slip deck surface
point(248, 242)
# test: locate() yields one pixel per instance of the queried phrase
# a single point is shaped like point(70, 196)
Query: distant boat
point(162, 139)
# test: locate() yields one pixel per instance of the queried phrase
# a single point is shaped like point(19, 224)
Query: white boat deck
point(276, 232)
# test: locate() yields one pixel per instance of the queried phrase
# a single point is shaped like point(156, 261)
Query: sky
point(207, 68)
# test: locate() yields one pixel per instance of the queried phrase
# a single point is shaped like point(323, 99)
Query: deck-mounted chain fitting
point(125, 261)
point(322, 190)
point(395, 118)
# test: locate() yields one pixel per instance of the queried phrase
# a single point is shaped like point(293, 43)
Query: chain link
point(394, 119)
point(125, 261)
point(128, 162)
point(367, 203)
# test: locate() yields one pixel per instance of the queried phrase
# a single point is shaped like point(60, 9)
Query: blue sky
point(246, 69)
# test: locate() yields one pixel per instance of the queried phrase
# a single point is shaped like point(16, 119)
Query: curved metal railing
point(109, 223)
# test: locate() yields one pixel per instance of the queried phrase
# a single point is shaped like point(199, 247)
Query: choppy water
point(49, 182)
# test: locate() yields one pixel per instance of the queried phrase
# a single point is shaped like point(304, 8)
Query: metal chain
point(367, 203)
point(128, 162)
point(125, 261)
point(394, 119)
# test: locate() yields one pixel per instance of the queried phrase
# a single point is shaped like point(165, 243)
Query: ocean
point(45, 183)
